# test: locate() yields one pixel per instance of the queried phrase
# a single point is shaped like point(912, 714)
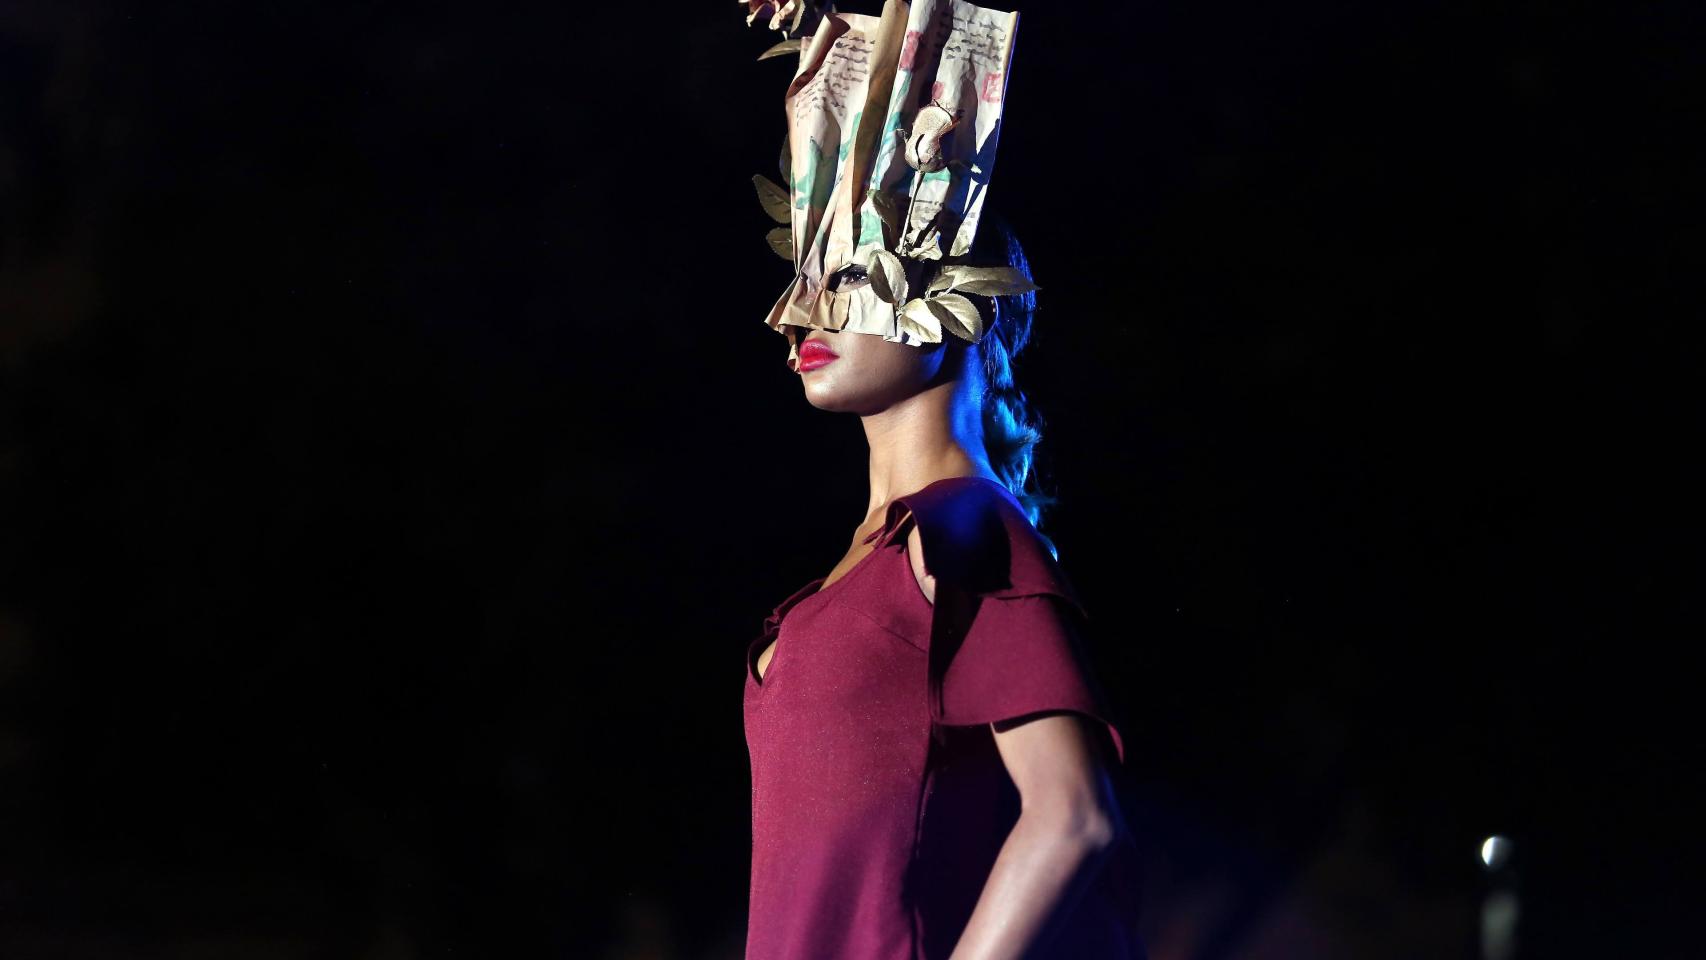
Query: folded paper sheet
point(934, 71)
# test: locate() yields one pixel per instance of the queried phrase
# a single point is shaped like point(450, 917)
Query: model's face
point(863, 373)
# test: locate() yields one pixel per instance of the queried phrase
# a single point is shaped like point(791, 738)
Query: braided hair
point(1011, 428)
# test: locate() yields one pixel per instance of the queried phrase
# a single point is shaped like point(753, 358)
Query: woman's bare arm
point(1068, 822)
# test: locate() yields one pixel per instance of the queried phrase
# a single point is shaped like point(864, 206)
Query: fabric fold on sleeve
point(1007, 637)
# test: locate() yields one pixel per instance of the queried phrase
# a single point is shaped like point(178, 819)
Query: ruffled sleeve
point(1007, 637)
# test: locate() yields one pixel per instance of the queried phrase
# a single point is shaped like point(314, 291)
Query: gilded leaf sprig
point(986, 281)
point(941, 308)
point(775, 202)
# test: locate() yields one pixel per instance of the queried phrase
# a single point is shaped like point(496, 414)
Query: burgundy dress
point(879, 801)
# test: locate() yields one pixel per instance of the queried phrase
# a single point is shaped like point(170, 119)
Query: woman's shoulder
point(975, 536)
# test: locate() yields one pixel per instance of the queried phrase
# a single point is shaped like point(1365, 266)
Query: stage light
point(1495, 850)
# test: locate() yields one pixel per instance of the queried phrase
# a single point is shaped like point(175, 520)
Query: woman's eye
point(852, 275)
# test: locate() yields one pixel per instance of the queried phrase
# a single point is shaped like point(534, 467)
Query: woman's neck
point(935, 433)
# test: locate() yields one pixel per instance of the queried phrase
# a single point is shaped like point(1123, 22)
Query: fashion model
point(930, 751)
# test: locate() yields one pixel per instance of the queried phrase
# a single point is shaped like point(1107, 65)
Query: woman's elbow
point(1086, 824)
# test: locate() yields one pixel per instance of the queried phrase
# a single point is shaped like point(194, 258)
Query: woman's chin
point(825, 393)
point(824, 397)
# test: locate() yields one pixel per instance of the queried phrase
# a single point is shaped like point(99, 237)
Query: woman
point(929, 749)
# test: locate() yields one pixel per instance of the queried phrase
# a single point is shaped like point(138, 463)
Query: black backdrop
point(395, 466)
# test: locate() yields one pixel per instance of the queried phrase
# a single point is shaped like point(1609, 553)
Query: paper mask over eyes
point(892, 126)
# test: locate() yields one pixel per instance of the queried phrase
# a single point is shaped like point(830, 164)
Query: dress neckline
point(812, 589)
point(817, 587)
point(881, 534)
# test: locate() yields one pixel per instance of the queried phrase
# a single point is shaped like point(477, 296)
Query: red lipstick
point(814, 354)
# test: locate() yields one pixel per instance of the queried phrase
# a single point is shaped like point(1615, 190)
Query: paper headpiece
point(892, 126)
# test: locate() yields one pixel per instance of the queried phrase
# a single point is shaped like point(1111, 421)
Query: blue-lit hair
point(1011, 428)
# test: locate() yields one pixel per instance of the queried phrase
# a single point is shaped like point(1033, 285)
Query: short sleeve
point(1021, 655)
point(1007, 637)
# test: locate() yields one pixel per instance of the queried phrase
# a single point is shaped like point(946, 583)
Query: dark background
point(394, 466)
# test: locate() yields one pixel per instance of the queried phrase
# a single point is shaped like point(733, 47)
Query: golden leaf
point(786, 46)
point(917, 319)
point(888, 212)
point(888, 276)
point(782, 242)
point(958, 316)
point(774, 198)
point(987, 281)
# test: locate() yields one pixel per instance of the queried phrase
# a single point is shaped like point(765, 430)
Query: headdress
point(892, 126)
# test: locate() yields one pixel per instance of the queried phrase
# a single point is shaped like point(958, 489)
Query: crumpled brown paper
point(893, 122)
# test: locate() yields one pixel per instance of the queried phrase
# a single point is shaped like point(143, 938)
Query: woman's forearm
point(1044, 868)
